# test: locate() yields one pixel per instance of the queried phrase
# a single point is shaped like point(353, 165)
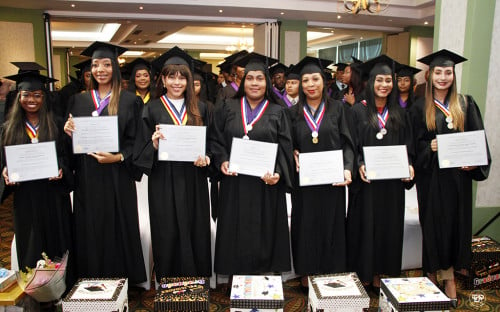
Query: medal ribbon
point(234, 85)
point(178, 118)
point(382, 118)
point(99, 103)
point(244, 117)
point(442, 107)
point(311, 122)
point(31, 130)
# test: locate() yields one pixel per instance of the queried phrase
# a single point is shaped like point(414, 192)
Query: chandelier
point(241, 44)
point(371, 6)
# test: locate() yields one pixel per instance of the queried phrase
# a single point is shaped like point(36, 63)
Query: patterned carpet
point(295, 298)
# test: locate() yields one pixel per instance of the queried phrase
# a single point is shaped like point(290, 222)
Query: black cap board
point(379, 65)
point(30, 81)
point(174, 56)
point(99, 50)
point(309, 65)
point(277, 69)
point(406, 71)
point(27, 66)
point(235, 56)
point(340, 66)
point(443, 58)
point(139, 63)
point(83, 66)
point(255, 61)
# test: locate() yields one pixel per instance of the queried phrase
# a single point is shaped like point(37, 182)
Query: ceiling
point(213, 26)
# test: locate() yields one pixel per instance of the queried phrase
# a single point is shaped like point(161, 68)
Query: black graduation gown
point(252, 225)
point(380, 205)
point(105, 201)
point(444, 195)
point(179, 206)
point(42, 214)
point(318, 214)
point(228, 92)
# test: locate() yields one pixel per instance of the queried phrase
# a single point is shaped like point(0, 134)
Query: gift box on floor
point(182, 294)
point(411, 294)
point(337, 292)
point(7, 279)
point(257, 293)
point(485, 266)
point(94, 294)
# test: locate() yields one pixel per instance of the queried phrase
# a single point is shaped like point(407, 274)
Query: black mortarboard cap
point(406, 71)
point(138, 63)
point(255, 61)
point(340, 66)
point(235, 56)
point(442, 57)
point(309, 65)
point(27, 66)
point(98, 50)
point(225, 67)
point(291, 74)
point(198, 74)
point(379, 65)
point(30, 81)
point(174, 56)
point(278, 68)
point(355, 60)
point(83, 66)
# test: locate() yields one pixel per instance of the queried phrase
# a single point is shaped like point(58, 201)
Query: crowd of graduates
point(355, 225)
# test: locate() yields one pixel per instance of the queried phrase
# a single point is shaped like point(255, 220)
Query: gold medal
point(315, 140)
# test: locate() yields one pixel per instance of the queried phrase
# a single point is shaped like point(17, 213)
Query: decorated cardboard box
point(337, 292)
point(257, 293)
point(485, 266)
point(411, 294)
point(183, 294)
point(97, 295)
point(7, 279)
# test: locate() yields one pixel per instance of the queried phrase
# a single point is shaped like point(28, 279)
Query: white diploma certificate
point(321, 168)
point(182, 143)
point(252, 157)
point(386, 162)
point(95, 134)
point(28, 162)
point(462, 149)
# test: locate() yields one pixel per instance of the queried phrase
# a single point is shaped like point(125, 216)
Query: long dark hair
point(193, 112)
point(395, 117)
point(14, 127)
point(132, 87)
point(115, 86)
point(411, 94)
point(269, 95)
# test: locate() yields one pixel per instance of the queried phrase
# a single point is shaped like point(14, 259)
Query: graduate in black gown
point(140, 79)
point(178, 191)
point(380, 205)
point(42, 208)
point(319, 124)
point(75, 86)
point(444, 195)
point(252, 224)
point(104, 200)
point(406, 77)
point(237, 73)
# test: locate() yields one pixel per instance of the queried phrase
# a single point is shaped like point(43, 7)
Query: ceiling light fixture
point(370, 6)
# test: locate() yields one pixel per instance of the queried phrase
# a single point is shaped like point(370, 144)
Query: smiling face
point(102, 71)
point(175, 83)
point(442, 77)
point(312, 85)
point(255, 85)
point(31, 101)
point(142, 79)
point(404, 84)
point(382, 86)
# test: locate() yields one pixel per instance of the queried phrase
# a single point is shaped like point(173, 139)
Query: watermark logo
point(477, 299)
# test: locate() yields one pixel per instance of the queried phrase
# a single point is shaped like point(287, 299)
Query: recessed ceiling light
point(361, 38)
point(339, 17)
point(426, 23)
point(220, 11)
point(73, 5)
point(243, 26)
point(141, 8)
point(389, 20)
point(282, 13)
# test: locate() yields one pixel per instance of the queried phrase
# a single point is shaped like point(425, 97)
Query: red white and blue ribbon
point(382, 118)
point(179, 118)
point(442, 107)
point(314, 123)
point(99, 103)
point(31, 130)
point(248, 124)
